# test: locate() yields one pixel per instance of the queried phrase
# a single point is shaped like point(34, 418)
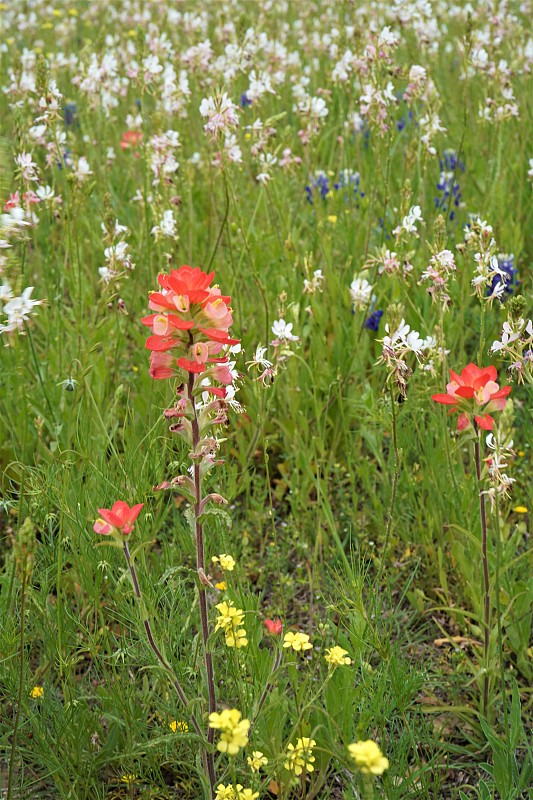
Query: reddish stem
point(200, 566)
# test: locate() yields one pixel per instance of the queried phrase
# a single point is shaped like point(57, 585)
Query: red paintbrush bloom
point(130, 139)
point(190, 324)
point(118, 518)
point(274, 626)
point(474, 390)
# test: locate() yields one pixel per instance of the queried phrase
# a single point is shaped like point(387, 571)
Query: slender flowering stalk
point(486, 578)
point(190, 341)
point(474, 391)
point(118, 522)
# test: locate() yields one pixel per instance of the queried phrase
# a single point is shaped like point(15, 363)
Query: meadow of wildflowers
point(266, 400)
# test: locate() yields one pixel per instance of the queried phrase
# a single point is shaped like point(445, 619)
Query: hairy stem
point(486, 580)
point(200, 566)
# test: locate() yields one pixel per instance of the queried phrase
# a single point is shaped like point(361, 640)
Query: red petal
point(456, 378)
point(465, 391)
point(191, 366)
point(491, 372)
point(161, 343)
point(503, 392)
point(463, 422)
point(447, 399)
point(486, 422)
point(218, 336)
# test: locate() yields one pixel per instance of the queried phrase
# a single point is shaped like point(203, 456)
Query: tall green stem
point(21, 681)
point(200, 566)
point(486, 579)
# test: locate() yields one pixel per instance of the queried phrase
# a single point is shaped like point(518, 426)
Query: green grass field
point(358, 176)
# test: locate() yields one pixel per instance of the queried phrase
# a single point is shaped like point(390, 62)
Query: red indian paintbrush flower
point(130, 139)
point(118, 518)
point(274, 626)
point(190, 325)
point(475, 389)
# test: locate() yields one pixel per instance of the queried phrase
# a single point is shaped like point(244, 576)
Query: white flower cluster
point(361, 293)
point(163, 162)
point(117, 255)
point(221, 114)
point(441, 266)
point(17, 309)
point(497, 462)
point(409, 222)
point(516, 343)
point(167, 227)
point(479, 237)
point(397, 346)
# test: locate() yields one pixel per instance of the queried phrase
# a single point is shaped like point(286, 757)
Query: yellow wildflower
point(234, 730)
point(37, 692)
point(333, 219)
point(257, 760)
point(368, 757)
point(225, 792)
point(300, 756)
point(246, 794)
point(221, 586)
point(230, 620)
point(73, 12)
point(226, 562)
point(57, 12)
point(298, 641)
point(178, 725)
point(129, 778)
point(520, 509)
point(336, 656)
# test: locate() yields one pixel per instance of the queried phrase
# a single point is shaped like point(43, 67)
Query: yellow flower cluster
point(178, 725)
point(368, 757)
point(298, 641)
point(226, 562)
point(234, 730)
point(300, 756)
point(37, 692)
point(257, 760)
point(230, 620)
point(237, 792)
point(336, 656)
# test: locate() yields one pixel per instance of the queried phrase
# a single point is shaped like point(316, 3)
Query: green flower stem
point(151, 641)
point(486, 579)
point(21, 681)
point(395, 478)
point(200, 565)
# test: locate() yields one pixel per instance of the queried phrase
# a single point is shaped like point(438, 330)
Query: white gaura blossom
point(409, 222)
point(18, 311)
point(266, 162)
point(27, 167)
point(283, 331)
point(167, 227)
point(361, 293)
point(221, 114)
point(82, 169)
point(511, 333)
